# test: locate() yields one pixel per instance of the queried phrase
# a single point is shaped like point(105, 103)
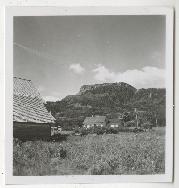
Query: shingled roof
point(28, 105)
point(94, 119)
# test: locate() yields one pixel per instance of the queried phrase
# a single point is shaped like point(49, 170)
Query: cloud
point(77, 68)
point(147, 77)
point(51, 98)
point(103, 74)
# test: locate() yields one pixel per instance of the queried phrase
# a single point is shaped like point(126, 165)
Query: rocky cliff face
point(86, 88)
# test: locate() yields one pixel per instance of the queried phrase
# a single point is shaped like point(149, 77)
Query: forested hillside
point(110, 99)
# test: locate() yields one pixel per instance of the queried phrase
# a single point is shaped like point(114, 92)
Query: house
point(30, 116)
point(94, 121)
point(115, 123)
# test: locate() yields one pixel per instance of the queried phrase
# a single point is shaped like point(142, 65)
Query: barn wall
point(31, 131)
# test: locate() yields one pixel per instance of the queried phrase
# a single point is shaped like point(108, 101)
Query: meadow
point(124, 153)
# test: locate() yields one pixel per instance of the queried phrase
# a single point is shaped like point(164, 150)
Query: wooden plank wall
point(31, 131)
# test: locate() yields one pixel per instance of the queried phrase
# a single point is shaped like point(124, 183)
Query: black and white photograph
point(90, 95)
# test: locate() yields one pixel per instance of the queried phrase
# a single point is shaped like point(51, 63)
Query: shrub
point(99, 130)
point(147, 125)
point(94, 130)
point(84, 131)
point(130, 123)
point(111, 130)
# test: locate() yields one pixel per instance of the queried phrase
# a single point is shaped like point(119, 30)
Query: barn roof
point(95, 119)
point(28, 105)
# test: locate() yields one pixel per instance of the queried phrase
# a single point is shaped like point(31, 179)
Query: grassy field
point(123, 153)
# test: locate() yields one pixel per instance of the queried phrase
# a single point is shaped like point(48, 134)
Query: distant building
point(94, 121)
point(115, 123)
point(30, 116)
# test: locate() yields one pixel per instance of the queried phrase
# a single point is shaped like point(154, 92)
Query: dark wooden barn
point(31, 120)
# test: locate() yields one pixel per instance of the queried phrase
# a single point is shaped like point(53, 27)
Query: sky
point(62, 53)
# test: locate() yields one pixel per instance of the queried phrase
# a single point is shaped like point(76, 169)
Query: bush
point(111, 130)
point(94, 130)
point(84, 131)
point(99, 130)
point(147, 125)
point(131, 123)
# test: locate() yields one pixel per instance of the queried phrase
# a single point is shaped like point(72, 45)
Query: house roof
point(94, 119)
point(28, 105)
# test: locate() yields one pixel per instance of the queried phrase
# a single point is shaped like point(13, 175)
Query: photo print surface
point(89, 95)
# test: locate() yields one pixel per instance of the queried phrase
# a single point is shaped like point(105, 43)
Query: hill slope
point(107, 99)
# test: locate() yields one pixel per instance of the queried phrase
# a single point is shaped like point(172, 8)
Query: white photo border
point(10, 12)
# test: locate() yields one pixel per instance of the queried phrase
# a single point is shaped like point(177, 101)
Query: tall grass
point(123, 153)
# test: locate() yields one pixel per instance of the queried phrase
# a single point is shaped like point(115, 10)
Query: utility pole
point(156, 122)
point(136, 117)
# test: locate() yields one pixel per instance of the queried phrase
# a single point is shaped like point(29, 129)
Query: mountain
point(108, 99)
point(102, 95)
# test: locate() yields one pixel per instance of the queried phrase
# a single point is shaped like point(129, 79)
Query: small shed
point(31, 120)
point(115, 123)
point(94, 121)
